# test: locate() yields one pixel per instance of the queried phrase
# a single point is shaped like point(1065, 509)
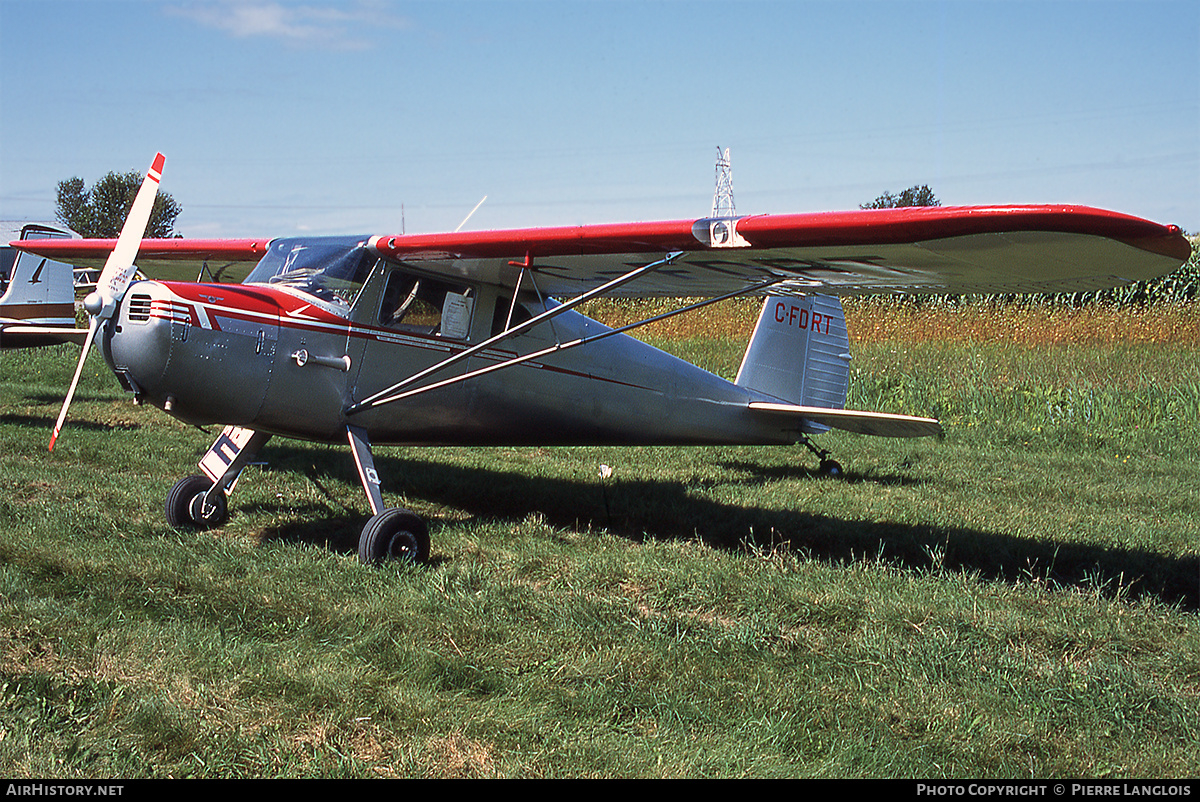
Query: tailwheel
point(829, 467)
point(394, 534)
point(191, 504)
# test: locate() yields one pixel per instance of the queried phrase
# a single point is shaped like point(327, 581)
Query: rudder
point(799, 353)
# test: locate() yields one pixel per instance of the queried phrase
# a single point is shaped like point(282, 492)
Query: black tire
point(394, 534)
point(831, 469)
point(184, 504)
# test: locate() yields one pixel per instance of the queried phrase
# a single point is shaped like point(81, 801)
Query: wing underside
point(986, 264)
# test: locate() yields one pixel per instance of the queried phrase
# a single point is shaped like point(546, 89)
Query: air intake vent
point(139, 308)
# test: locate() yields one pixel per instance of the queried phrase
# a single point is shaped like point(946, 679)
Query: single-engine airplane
point(37, 296)
point(472, 339)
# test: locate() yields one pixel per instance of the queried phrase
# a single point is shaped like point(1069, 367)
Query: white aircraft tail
point(800, 354)
point(38, 291)
point(37, 300)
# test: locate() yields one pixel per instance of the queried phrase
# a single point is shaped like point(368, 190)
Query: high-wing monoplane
point(472, 338)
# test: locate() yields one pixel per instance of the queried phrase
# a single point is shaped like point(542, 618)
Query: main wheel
point(394, 534)
point(186, 504)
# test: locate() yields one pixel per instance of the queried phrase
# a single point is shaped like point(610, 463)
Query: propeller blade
point(87, 345)
point(117, 274)
point(119, 268)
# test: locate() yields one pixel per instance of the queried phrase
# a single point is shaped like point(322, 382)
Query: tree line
point(99, 212)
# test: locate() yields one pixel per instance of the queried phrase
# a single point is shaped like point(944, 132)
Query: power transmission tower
point(723, 194)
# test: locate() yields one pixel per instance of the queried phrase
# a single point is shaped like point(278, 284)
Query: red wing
point(934, 250)
point(227, 261)
point(925, 250)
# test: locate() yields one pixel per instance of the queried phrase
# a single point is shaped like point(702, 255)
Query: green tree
point(913, 196)
point(100, 212)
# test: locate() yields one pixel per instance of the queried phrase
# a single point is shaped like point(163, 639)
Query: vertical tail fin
point(799, 353)
point(39, 291)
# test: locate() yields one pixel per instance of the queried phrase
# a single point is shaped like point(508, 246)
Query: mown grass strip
point(1017, 600)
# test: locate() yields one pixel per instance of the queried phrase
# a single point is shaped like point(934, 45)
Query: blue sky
point(369, 116)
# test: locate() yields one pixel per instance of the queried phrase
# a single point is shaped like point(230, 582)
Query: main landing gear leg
point(202, 501)
point(392, 533)
point(828, 466)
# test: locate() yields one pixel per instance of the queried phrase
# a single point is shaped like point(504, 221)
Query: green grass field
point(1019, 599)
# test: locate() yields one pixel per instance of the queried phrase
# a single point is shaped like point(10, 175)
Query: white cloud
point(328, 25)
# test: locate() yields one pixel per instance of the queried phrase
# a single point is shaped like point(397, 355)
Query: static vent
point(139, 308)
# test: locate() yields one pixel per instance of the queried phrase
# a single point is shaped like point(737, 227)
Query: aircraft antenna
point(468, 217)
point(723, 194)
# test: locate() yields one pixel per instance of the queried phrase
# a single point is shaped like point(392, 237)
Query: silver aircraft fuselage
point(290, 358)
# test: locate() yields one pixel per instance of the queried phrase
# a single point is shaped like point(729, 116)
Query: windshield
point(332, 270)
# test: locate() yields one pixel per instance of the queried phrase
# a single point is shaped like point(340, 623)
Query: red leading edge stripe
point(247, 250)
point(820, 229)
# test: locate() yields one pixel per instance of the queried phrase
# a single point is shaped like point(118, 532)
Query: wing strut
point(382, 396)
point(526, 267)
point(553, 349)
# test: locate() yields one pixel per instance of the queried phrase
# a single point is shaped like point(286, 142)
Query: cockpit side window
point(506, 315)
point(426, 305)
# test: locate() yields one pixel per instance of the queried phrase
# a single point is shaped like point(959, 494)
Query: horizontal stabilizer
point(880, 424)
point(32, 336)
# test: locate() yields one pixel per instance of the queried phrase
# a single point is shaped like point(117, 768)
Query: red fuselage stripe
point(268, 309)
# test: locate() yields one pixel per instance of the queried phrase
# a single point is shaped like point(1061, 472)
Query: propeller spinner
point(117, 274)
